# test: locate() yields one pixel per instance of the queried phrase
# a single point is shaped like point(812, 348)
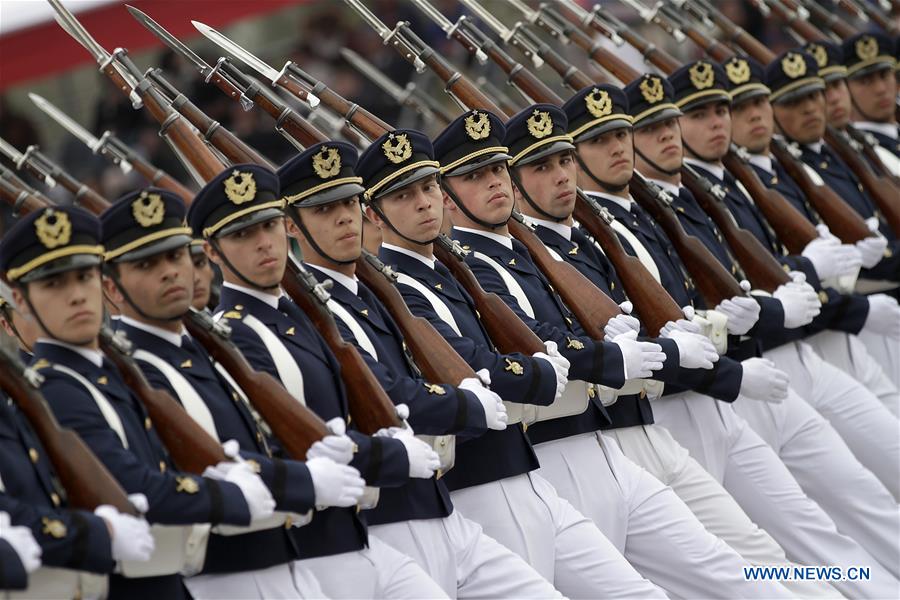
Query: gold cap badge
point(148, 209)
point(478, 125)
point(738, 71)
point(54, 229)
point(327, 162)
point(866, 47)
point(702, 75)
point(540, 124)
point(820, 54)
point(598, 103)
point(793, 65)
point(240, 187)
point(652, 89)
point(397, 148)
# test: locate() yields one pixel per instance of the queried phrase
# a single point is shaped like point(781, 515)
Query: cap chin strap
point(40, 321)
point(456, 200)
point(112, 273)
point(295, 217)
point(609, 187)
point(860, 111)
point(372, 204)
point(698, 155)
point(7, 315)
point(514, 175)
point(669, 172)
point(250, 283)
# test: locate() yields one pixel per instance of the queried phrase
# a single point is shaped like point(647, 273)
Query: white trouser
point(851, 355)
point(378, 571)
point(646, 521)
point(280, 581)
point(885, 351)
point(870, 430)
point(464, 561)
point(820, 461)
point(750, 470)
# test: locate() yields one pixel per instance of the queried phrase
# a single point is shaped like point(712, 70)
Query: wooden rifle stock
point(192, 449)
point(370, 407)
point(652, 302)
point(761, 268)
point(295, 426)
point(787, 12)
point(587, 302)
point(826, 18)
point(87, 482)
point(739, 36)
point(20, 200)
point(790, 225)
point(867, 142)
point(458, 84)
point(713, 281)
point(506, 330)
point(435, 357)
point(83, 195)
point(160, 178)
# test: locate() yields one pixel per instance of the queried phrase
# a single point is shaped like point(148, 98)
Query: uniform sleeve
point(174, 498)
point(596, 362)
point(804, 265)
point(71, 539)
point(841, 312)
point(889, 266)
point(12, 571)
point(722, 382)
point(514, 377)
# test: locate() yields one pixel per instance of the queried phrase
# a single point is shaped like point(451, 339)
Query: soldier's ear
point(211, 253)
point(111, 291)
point(373, 217)
point(19, 299)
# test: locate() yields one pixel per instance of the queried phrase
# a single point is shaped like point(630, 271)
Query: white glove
point(872, 248)
point(641, 358)
point(742, 313)
point(337, 447)
point(829, 257)
point(335, 484)
point(686, 324)
point(494, 409)
point(423, 460)
point(139, 502)
point(402, 411)
point(694, 350)
point(619, 324)
point(800, 302)
point(883, 317)
point(23, 542)
point(560, 366)
point(131, 537)
point(762, 381)
point(256, 494)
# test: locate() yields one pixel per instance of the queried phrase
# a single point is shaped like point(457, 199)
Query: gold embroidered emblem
point(54, 528)
point(290, 331)
point(364, 312)
point(598, 103)
point(793, 65)
point(539, 124)
point(514, 367)
point(54, 229)
point(103, 380)
point(232, 314)
point(187, 485)
point(327, 162)
point(512, 262)
point(187, 364)
point(702, 75)
point(738, 71)
point(434, 388)
point(573, 251)
point(41, 363)
point(148, 209)
point(438, 286)
point(478, 125)
point(866, 47)
point(397, 148)
point(574, 344)
point(652, 89)
point(820, 54)
point(240, 187)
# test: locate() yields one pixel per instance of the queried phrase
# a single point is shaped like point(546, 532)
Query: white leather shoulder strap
point(640, 251)
point(509, 281)
point(106, 409)
point(288, 371)
point(439, 306)
point(361, 338)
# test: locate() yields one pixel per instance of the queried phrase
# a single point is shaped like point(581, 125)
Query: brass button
point(54, 498)
point(162, 466)
point(33, 455)
point(148, 424)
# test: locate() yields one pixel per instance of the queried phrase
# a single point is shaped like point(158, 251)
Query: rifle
point(590, 306)
point(295, 426)
point(370, 407)
point(15, 192)
point(88, 484)
point(826, 19)
point(506, 330)
point(763, 271)
point(433, 354)
point(113, 149)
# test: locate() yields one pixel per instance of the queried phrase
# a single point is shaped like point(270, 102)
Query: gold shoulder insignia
point(148, 210)
point(103, 380)
point(478, 126)
point(540, 124)
point(574, 344)
point(187, 364)
point(439, 286)
point(512, 262)
point(232, 314)
point(41, 363)
point(53, 229)
point(54, 528)
point(364, 312)
point(240, 187)
point(327, 162)
point(290, 331)
point(188, 485)
point(434, 388)
point(514, 367)
point(573, 251)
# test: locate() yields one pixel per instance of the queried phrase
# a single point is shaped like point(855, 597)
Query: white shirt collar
point(270, 299)
point(506, 241)
point(763, 161)
point(717, 170)
point(172, 338)
point(623, 202)
point(560, 228)
point(665, 185)
point(888, 129)
point(351, 283)
point(815, 147)
point(428, 260)
point(95, 356)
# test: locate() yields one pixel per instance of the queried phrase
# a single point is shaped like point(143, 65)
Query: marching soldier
point(322, 189)
point(149, 274)
point(239, 215)
point(51, 258)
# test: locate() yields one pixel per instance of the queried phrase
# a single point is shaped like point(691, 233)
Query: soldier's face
point(874, 95)
point(161, 286)
point(416, 211)
point(707, 130)
point(609, 156)
point(203, 278)
point(69, 304)
point(802, 119)
point(485, 192)
point(25, 326)
point(837, 103)
point(336, 228)
point(752, 124)
point(258, 252)
point(661, 143)
point(550, 183)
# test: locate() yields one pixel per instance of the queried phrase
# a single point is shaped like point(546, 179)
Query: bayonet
point(519, 36)
point(610, 25)
point(451, 28)
point(393, 37)
point(651, 15)
point(37, 167)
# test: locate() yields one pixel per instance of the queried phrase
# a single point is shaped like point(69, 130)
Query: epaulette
point(41, 363)
point(233, 314)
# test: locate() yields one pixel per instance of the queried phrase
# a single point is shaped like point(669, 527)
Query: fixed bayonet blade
point(19, 160)
point(450, 28)
point(71, 25)
point(506, 34)
point(246, 57)
point(169, 40)
point(377, 77)
point(383, 31)
point(11, 153)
